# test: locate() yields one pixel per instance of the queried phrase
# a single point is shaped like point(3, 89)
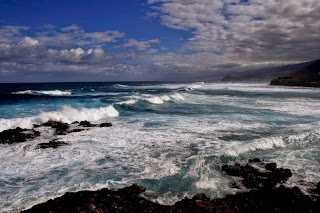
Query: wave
point(158, 100)
point(260, 144)
point(194, 86)
point(66, 114)
point(45, 92)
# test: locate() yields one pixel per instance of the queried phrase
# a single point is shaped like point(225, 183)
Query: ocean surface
point(169, 137)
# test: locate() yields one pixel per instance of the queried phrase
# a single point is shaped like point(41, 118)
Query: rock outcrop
point(263, 179)
point(308, 76)
point(304, 81)
point(51, 144)
point(17, 135)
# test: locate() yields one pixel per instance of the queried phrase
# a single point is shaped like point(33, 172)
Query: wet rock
point(51, 144)
point(36, 125)
point(17, 135)
point(128, 199)
point(254, 160)
point(252, 178)
point(271, 166)
point(105, 124)
point(76, 130)
point(104, 200)
point(60, 127)
point(87, 124)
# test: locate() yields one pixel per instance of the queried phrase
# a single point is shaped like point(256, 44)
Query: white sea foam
point(65, 114)
point(158, 100)
point(154, 100)
point(55, 92)
point(260, 144)
point(193, 87)
point(48, 92)
point(128, 102)
point(22, 92)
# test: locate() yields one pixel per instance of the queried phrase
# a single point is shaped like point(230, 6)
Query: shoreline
point(263, 180)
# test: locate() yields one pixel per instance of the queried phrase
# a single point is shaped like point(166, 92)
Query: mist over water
point(169, 137)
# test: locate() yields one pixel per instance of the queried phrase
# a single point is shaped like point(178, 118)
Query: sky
point(152, 40)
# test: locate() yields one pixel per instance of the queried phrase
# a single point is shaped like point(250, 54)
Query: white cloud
point(23, 49)
point(77, 55)
point(74, 35)
point(256, 31)
point(142, 45)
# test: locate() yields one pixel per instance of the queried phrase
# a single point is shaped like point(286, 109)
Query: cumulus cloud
point(24, 48)
point(254, 31)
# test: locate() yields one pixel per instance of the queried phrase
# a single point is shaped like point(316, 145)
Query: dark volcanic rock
point(76, 130)
point(271, 166)
point(262, 199)
point(105, 124)
point(87, 124)
point(17, 135)
point(252, 178)
point(61, 128)
point(51, 144)
point(104, 200)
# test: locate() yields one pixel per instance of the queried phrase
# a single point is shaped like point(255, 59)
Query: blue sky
point(55, 40)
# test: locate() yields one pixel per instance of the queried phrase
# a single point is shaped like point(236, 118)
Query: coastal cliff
point(306, 77)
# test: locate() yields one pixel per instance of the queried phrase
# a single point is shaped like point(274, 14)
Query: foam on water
point(158, 100)
point(49, 92)
point(173, 151)
point(65, 114)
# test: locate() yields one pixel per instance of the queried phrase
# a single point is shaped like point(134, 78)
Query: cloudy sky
point(121, 40)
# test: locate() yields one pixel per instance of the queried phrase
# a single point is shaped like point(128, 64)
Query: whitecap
point(65, 114)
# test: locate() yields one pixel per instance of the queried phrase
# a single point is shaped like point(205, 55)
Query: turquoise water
point(169, 137)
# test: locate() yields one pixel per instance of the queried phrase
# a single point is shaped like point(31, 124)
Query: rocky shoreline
point(19, 135)
point(263, 180)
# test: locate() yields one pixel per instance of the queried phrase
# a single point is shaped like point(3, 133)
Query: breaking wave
point(39, 92)
point(157, 100)
point(65, 114)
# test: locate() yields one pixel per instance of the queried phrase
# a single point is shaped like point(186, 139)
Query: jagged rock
point(105, 124)
point(254, 160)
point(271, 166)
point(128, 199)
point(87, 124)
point(104, 200)
point(17, 135)
point(252, 178)
point(60, 127)
point(76, 130)
point(51, 144)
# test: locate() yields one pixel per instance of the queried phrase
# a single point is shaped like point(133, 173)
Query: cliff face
point(306, 77)
point(304, 81)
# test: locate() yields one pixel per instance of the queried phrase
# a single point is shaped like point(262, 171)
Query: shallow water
point(169, 137)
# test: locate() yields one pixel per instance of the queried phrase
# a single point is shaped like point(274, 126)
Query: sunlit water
point(170, 138)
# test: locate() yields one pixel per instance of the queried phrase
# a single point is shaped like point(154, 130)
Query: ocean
point(171, 138)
